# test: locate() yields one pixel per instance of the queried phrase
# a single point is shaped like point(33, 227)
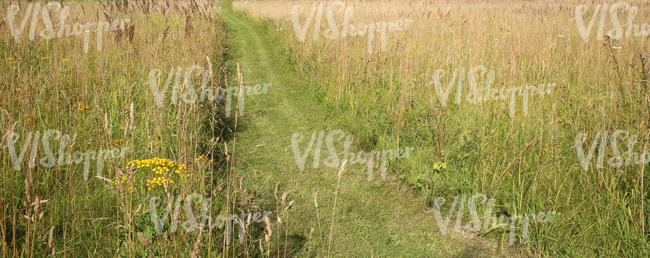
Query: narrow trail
point(373, 218)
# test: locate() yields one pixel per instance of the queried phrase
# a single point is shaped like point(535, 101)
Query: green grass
point(527, 163)
point(380, 218)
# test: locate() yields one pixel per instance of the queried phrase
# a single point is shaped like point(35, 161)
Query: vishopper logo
point(60, 29)
point(333, 160)
point(60, 157)
point(618, 159)
point(184, 89)
point(477, 95)
point(348, 29)
point(204, 220)
point(617, 30)
point(490, 222)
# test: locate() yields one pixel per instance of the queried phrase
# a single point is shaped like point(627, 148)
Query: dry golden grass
point(527, 162)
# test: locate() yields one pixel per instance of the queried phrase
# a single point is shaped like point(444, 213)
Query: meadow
point(395, 95)
point(121, 128)
point(90, 91)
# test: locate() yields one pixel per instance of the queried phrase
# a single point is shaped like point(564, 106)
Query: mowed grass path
point(373, 218)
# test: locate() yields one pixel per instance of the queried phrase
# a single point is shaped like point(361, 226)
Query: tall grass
point(528, 163)
point(102, 99)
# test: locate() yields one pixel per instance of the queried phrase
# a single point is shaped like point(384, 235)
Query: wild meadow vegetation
point(118, 137)
point(522, 153)
point(59, 97)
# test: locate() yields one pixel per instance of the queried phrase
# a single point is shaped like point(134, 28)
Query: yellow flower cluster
point(203, 159)
point(120, 180)
point(158, 181)
point(163, 169)
point(161, 166)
